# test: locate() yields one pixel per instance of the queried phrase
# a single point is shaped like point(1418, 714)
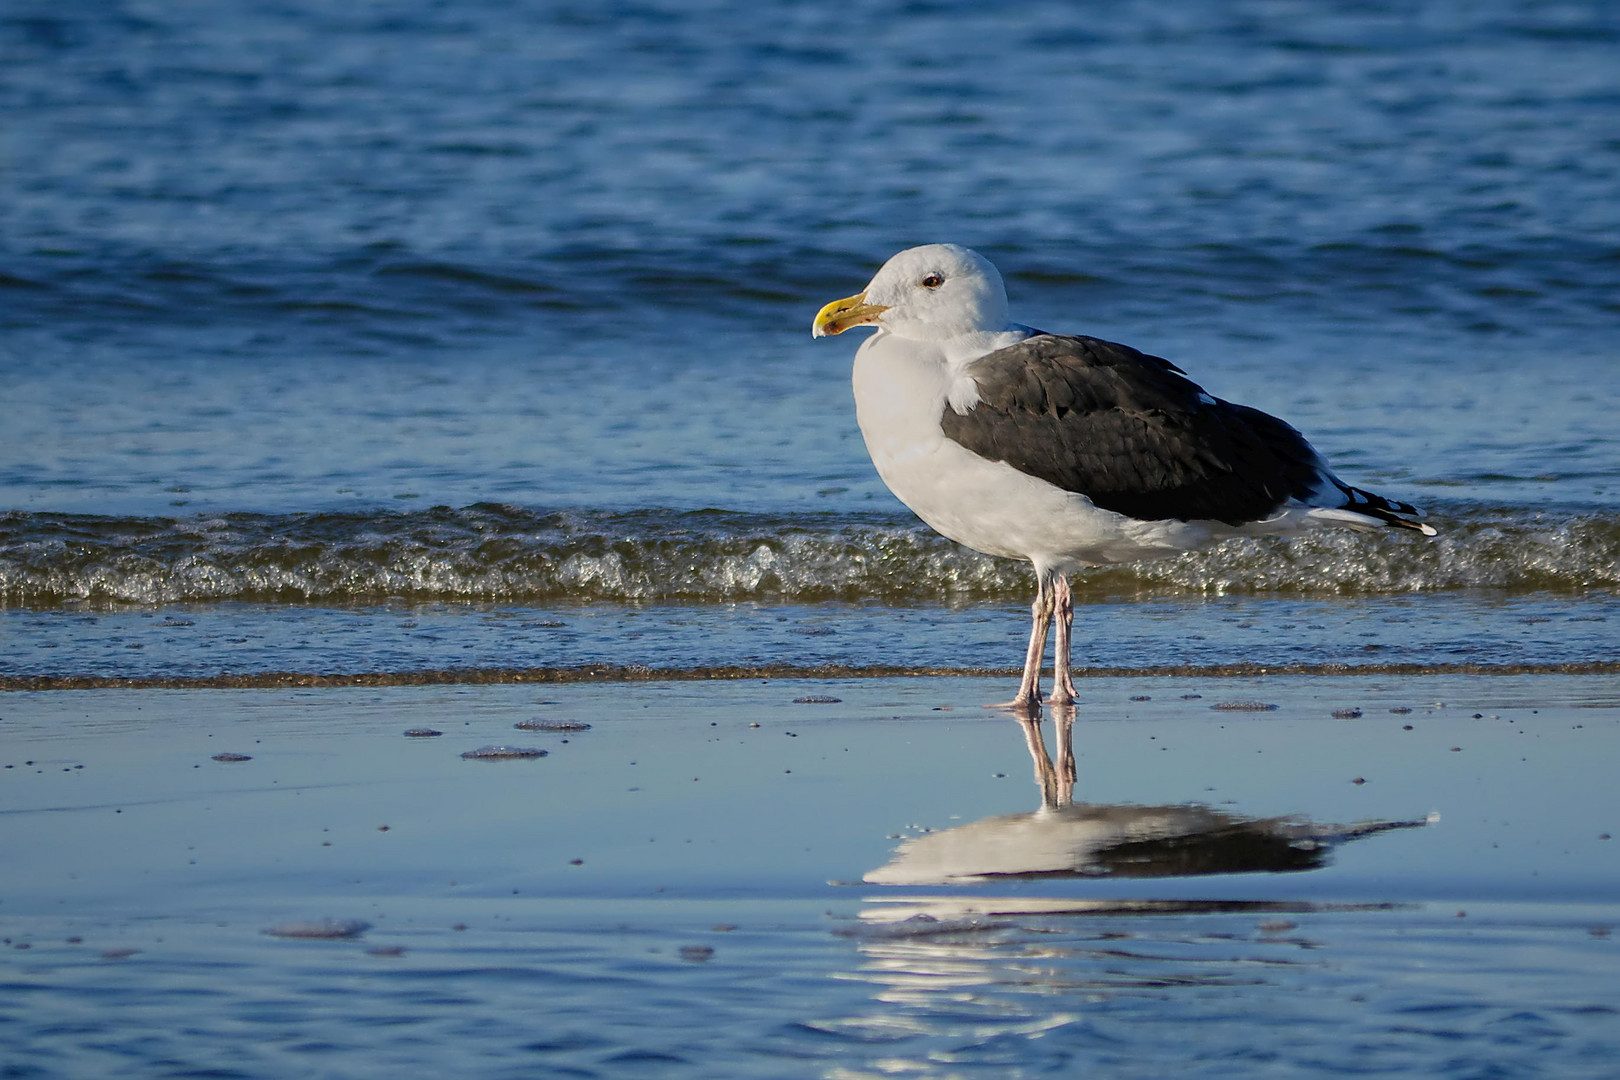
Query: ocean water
point(366, 315)
point(405, 336)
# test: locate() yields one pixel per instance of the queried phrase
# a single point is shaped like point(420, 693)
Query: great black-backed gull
point(1065, 451)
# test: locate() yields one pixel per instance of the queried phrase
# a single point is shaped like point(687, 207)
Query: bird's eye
point(932, 281)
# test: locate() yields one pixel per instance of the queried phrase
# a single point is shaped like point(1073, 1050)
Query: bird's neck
point(965, 348)
point(939, 365)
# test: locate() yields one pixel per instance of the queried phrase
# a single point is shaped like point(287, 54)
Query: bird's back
point(1132, 433)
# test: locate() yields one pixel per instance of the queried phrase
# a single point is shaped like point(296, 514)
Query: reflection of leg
point(1063, 721)
point(1029, 690)
point(1063, 615)
point(1046, 778)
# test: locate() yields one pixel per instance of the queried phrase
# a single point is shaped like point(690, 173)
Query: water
point(723, 883)
point(292, 260)
point(402, 337)
point(403, 305)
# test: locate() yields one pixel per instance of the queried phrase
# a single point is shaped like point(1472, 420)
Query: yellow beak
point(840, 315)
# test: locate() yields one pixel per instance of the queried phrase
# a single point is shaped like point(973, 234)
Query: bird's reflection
point(1069, 839)
point(957, 973)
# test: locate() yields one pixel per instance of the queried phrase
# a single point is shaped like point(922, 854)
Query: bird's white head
point(931, 293)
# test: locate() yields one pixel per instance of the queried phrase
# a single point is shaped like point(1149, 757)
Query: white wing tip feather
point(1366, 522)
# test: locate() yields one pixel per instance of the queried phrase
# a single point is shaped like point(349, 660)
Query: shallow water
point(201, 641)
point(679, 891)
point(1197, 994)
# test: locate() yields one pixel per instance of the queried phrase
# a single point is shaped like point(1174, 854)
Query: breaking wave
point(503, 553)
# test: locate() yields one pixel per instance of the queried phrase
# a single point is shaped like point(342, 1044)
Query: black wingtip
point(1399, 514)
point(1403, 523)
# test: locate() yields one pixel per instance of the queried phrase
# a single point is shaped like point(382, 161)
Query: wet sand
point(603, 673)
point(770, 877)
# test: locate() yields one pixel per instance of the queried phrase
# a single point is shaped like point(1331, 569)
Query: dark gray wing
point(1132, 433)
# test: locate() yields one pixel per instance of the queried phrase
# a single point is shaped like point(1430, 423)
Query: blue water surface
point(299, 258)
point(297, 298)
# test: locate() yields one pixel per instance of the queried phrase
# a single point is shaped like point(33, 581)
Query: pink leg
point(1063, 615)
point(1029, 690)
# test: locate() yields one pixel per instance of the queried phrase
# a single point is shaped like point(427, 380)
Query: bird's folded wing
point(1132, 433)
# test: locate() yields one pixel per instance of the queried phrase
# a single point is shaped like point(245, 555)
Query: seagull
point(1062, 450)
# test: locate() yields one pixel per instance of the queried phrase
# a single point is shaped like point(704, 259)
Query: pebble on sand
point(503, 753)
point(321, 929)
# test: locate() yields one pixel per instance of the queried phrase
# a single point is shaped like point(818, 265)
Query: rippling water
point(410, 336)
point(298, 260)
point(505, 553)
point(407, 336)
point(280, 278)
